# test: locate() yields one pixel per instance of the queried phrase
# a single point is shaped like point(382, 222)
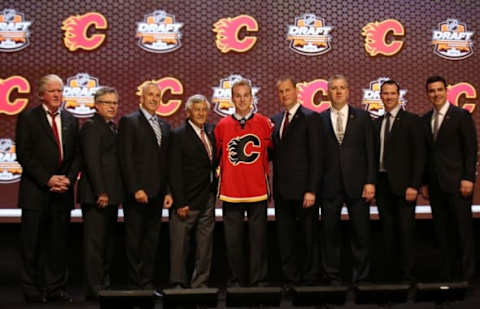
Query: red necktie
point(205, 144)
point(57, 137)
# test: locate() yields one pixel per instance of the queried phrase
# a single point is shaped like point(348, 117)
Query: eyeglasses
point(114, 103)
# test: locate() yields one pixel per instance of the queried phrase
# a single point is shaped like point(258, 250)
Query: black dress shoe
point(35, 299)
point(62, 296)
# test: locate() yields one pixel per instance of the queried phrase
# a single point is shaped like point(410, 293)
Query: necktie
point(112, 127)
point(339, 127)
point(386, 137)
point(56, 136)
point(386, 129)
point(156, 129)
point(205, 144)
point(436, 122)
point(285, 124)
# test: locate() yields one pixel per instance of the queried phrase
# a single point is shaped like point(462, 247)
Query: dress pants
point(142, 229)
point(234, 226)
point(452, 218)
point(99, 240)
point(44, 248)
point(397, 217)
point(359, 219)
point(298, 241)
point(200, 225)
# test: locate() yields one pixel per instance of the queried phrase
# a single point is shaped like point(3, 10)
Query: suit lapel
point(197, 140)
point(46, 125)
point(396, 122)
point(350, 123)
point(330, 124)
point(445, 122)
point(298, 114)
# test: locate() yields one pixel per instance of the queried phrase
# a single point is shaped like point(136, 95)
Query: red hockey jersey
point(244, 158)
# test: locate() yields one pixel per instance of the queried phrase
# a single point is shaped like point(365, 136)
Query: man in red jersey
point(242, 141)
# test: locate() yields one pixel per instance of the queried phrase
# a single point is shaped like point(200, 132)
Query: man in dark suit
point(100, 190)
point(296, 163)
point(193, 188)
point(401, 158)
point(348, 176)
point(450, 174)
point(143, 153)
point(47, 149)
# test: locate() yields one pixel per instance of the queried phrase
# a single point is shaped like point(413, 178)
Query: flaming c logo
point(6, 87)
point(456, 91)
point(307, 91)
point(228, 29)
point(172, 85)
point(376, 37)
point(76, 28)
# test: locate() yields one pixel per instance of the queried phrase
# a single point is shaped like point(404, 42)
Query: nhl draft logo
point(14, 33)
point(452, 41)
point(373, 102)
point(78, 95)
point(222, 96)
point(159, 33)
point(243, 149)
point(309, 36)
point(10, 169)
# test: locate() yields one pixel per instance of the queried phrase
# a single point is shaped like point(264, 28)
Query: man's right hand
point(141, 197)
point(58, 183)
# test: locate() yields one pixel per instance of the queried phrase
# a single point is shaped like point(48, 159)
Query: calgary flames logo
point(10, 169)
point(222, 96)
point(309, 36)
point(166, 84)
point(228, 30)
point(452, 41)
point(376, 37)
point(6, 88)
point(76, 28)
point(373, 102)
point(455, 92)
point(79, 94)
point(243, 149)
point(14, 32)
point(159, 33)
point(307, 91)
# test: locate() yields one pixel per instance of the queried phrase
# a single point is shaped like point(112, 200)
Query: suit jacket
point(352, 164)
point(143, 163)
point(191, 170)
point(37, 152)
point(101, 167)
point(452, 157)
point(404, 158)
point(297, 155)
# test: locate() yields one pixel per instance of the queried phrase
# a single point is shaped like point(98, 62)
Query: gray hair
point(196, 98)
point(42, 83)
point(103, 91)
point(148, 85)
point(335, 77)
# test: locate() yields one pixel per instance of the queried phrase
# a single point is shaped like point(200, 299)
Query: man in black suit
point(47, 149)
point(143, 153)
point(296, 163)
point(193, 188)
point(401, 158)
point(348, 176)
point(450, 175)
point(100, 190)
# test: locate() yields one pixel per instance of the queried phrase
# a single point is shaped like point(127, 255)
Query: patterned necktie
point(436, 125)
point(56, 135)
point(339, 128)
point(205, 143)
point(156, 130)
point(285, 124)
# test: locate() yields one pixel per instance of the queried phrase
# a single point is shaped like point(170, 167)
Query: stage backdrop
point(193, 46)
